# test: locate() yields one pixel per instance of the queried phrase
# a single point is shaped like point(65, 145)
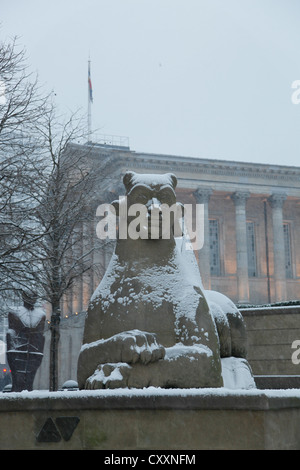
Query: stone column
point(276, 201)
point(202, 196)
point(239, 199)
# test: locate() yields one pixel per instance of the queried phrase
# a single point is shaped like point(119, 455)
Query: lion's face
point(151, 204)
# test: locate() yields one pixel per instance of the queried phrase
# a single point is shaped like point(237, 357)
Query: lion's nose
point(154, 203)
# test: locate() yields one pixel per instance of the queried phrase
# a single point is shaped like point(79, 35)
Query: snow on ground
point(150, 392)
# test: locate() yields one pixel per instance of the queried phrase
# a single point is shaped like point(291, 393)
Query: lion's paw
point(109, 376)
point(140, 346)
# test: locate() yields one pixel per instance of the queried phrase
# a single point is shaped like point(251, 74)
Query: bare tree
point(65, 190)
point(21, 105)
point(45, 193)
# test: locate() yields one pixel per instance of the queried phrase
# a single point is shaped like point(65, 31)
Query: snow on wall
point(150, 392)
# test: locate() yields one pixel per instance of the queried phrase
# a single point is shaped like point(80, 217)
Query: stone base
point(148, 419)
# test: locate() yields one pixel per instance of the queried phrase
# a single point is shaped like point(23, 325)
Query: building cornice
point(215, 167)
point(222, 172)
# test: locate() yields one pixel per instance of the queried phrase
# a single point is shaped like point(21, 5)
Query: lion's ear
point(173, 180)
point(120, 206)
point(116, 205)
point(127, 180)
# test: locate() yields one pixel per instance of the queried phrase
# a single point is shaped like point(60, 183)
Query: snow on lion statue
point(150, 322)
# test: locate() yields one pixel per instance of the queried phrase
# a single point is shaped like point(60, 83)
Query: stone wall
point(186, 420)
point(271, 332)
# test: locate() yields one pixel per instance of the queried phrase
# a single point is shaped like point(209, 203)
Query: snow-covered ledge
point(150, 398)
point(151, 418)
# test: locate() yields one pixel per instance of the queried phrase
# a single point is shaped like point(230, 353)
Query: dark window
point(214, 243)
point(288, 251)
point(251, 249)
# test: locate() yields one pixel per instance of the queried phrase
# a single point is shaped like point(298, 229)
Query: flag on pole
point(90, 85)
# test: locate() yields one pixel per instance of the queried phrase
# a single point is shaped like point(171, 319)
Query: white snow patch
point(180, 350)
point(150, 392)
point(236, 374)
point(114, 375)
point(29, 318)
point(220, 303)
point(152, 179)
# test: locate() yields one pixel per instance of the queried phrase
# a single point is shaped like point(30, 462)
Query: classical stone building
point(251, 222)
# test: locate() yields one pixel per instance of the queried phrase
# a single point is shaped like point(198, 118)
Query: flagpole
point(89, 102)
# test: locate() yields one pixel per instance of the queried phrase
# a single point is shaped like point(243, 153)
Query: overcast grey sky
point(200, 78)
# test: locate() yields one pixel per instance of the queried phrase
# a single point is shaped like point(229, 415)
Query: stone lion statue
point(149, 322)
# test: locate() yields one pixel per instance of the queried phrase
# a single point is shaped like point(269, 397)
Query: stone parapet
point(271, 332)
point(189, 419)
